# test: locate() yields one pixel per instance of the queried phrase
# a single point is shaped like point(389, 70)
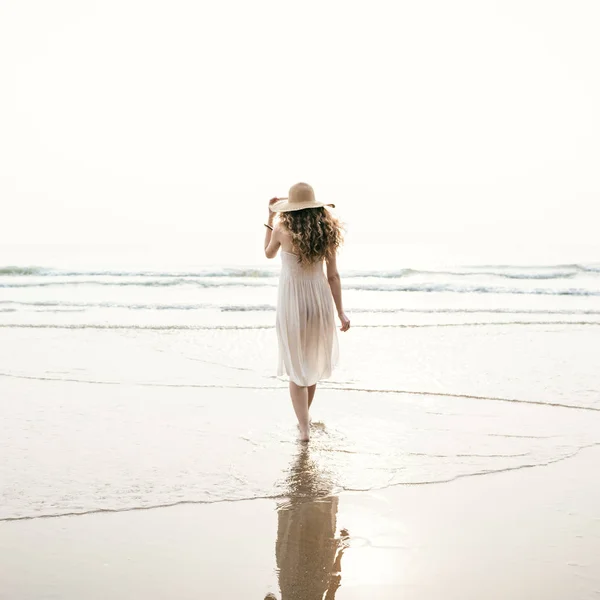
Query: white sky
point(144, 121)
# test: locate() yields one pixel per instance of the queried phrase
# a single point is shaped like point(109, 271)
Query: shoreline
point(528, 533)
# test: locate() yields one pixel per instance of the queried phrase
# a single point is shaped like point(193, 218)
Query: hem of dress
point(322, 378)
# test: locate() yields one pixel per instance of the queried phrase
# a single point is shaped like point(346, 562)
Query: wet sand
point(445, 463)
point(522, 534)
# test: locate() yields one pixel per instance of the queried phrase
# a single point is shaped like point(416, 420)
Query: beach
point(149, 450)
point(523, 534)
point(532, 531)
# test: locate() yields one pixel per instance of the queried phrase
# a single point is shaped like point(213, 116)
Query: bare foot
point(304, 434)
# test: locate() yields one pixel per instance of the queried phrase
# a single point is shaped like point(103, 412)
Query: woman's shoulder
point(284, 237)
point(282, 232)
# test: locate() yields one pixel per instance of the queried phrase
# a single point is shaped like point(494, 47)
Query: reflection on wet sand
point(308, 553)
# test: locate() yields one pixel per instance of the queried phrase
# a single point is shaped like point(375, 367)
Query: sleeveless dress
point(305, 323)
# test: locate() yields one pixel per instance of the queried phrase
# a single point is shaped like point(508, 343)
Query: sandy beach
point(122, 477)
point(524, 534)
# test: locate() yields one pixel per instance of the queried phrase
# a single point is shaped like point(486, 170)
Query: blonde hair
point(316, 233)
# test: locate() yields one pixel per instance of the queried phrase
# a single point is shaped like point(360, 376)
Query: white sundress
point(306, 335)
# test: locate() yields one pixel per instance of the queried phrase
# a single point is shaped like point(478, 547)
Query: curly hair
point(316, 233)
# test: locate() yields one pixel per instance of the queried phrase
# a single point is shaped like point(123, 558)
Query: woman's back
point(291, 265)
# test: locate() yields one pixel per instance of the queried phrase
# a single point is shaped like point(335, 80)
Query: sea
point(128, 382)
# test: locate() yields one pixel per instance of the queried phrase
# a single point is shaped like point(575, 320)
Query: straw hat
point(301, 195)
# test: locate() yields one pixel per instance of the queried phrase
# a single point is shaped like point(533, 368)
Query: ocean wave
point(14, 305)
point(471, 289)
point(502, 271)
point(249, 327)
point(22, 271)
point(431, 479)
point(525, 273)
point(251, 272)
point(124, 305)
point(432, 311)
point(141, 283)
point(349, 285)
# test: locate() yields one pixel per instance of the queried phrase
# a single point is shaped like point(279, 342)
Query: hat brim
point(286, 206)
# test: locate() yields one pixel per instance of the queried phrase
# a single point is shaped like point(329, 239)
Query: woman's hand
point(345, 321)
point(271, 213)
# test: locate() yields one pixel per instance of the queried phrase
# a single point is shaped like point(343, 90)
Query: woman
point(308, 235)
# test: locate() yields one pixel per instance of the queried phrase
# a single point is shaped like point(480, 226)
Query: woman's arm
point(272, 242)
point(335, 284)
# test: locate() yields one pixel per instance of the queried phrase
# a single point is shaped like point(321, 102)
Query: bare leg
point(311, 393)
point(299, 397)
